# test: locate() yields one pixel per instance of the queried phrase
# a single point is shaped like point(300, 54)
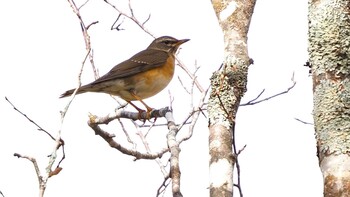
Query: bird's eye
point(167, 42)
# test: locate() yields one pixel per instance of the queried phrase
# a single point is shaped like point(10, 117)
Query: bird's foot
point(146, 115)
point(143, 115)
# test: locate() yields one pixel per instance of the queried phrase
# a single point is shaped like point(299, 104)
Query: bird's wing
point(142, 61)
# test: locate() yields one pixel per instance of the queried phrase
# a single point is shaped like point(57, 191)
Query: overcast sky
point(41, 53)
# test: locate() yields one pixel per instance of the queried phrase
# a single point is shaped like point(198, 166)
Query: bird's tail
point(70, 92)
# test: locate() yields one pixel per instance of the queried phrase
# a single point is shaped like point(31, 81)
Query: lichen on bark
point(329, 49)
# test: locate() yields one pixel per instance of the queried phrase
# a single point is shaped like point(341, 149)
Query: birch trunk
point(228, 85)
point(329, 56)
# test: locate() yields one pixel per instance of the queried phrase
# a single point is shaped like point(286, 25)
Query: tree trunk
point(329, 56)
point(227, 88)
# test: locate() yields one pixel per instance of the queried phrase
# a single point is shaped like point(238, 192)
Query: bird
point(142, 76)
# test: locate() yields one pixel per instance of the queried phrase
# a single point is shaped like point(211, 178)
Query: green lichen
point(332, 116)
point(329, 52)
point(227, 88)
point(329, 37)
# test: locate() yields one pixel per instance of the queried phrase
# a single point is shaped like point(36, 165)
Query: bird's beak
point(180, 42)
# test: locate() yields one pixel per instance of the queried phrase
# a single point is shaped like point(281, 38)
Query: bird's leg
point(140, 112)
point(149, 109)
point(138, 109)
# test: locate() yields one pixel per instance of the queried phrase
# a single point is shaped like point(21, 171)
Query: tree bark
point(329, 56)
point(228, 85)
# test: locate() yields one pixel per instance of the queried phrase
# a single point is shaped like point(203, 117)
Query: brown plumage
point(143, 75)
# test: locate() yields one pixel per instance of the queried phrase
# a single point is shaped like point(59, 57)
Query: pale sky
point(42, 49)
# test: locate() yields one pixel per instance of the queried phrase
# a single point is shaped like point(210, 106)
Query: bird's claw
point(146, 115)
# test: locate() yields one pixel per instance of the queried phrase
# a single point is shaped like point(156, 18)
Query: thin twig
point(150, 127)
point(93, 23)
point(82, 5)
point(237, 165)
point(192, 76)
point(183, 86)
point(304, 122)
point(63, 154)
point(253, 101)
point(127, 134)
point(30, 120)
point(36, 167)
point(149, 17)
point(84, 30)
point(131, 17)
point(194, 114)
point(163, 186)
point(257, 97)
point(63, 113)
point(118, 26)
point(148, 149)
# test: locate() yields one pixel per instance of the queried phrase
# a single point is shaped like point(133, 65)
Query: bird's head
point(167, 43)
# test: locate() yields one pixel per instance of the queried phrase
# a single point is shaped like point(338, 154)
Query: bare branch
point(131, 10)
point(83, 4)
point(86, 35)
point(53, 157)
point(36, 167)
point(118, 26)
point(150, 127)
point(49, 172)
point(131, 17)
point(148, 149)
point(94, 122)
point(238, 167)
point(257, 97)
point(175, 152)
point(93, 23)
point(171, 139)
point(63, 113)
point(149, 17)
point(192, 76)
point(58, 140)
point(195, 115)
point(304, 122)
point(163, 186)
point(253, 101)
point(195, 110)
point(183, 86)
point(241, 150)
point(127, 134)
point(30, 120)
point(138, 155)
point(63, 154)
point(120, 113)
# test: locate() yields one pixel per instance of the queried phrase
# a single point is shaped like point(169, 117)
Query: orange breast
point(151, 82)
